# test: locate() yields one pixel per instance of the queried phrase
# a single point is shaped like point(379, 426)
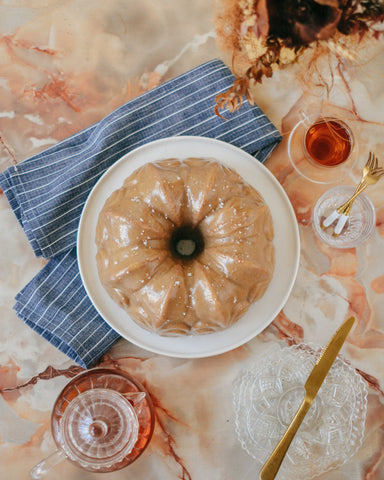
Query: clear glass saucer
point(267, 395)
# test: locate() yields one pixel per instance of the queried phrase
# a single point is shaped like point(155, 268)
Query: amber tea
point(328, 142)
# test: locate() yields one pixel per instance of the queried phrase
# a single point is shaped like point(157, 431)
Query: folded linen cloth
point(47, 193)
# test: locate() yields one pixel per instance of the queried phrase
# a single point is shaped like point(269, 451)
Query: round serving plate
point(286, 242)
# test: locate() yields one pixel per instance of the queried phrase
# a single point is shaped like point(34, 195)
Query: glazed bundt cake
point(185, 247)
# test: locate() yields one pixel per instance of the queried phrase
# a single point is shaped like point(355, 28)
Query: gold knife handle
point(272, 465)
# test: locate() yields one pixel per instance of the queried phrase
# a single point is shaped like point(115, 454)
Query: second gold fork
point(371, 174)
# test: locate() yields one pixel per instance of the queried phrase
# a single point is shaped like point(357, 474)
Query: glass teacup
point(322, 147)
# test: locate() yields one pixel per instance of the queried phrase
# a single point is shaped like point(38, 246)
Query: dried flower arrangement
point(264, 35)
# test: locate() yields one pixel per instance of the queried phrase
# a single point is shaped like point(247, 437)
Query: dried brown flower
point(264, 35)
point(232, 99)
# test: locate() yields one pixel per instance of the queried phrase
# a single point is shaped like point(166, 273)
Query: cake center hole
point(185, 247)
point(187, 243)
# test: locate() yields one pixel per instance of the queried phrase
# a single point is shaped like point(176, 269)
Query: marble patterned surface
point(65, 65)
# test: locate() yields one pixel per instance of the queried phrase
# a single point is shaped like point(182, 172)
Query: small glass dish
point(361, 222)
point(267, 395)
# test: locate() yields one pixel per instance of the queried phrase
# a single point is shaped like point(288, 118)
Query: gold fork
point(371, 174)
point(367, 168)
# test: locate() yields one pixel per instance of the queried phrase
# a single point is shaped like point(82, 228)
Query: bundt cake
point(185, 246)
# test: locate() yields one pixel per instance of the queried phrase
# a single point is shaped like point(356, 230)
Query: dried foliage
point(265, 35)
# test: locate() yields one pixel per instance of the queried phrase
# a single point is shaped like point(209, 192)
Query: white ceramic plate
point(286, 241)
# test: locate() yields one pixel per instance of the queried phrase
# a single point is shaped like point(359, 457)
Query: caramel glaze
point(208, 205)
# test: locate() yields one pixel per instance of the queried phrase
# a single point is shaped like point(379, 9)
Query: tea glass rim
point(311, 170)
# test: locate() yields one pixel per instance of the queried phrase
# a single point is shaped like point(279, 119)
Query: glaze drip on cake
point(185, 247)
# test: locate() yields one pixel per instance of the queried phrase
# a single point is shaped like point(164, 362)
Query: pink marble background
point(65, 65)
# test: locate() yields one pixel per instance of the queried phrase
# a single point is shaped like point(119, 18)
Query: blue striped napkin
point(47, 193)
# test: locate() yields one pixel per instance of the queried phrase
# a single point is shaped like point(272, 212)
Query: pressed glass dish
point(360, 224)
point(267, 395)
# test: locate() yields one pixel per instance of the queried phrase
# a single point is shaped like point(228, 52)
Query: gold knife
point(312, 386)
